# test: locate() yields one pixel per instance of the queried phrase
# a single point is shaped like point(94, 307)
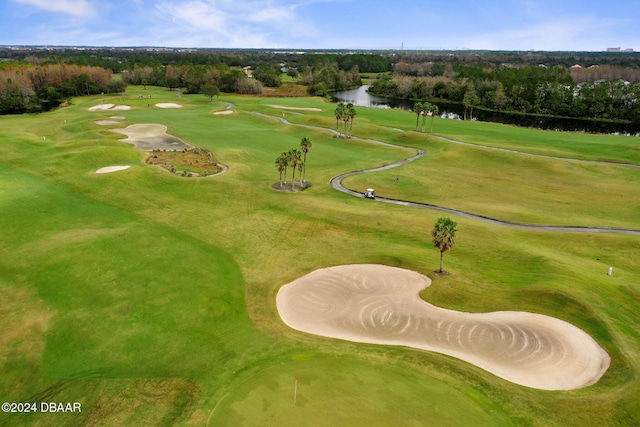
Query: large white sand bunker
point(149, 137)
point(379, 304)
point(112, 107)
point(168, 105)
point(282, 107)
point(110, 169)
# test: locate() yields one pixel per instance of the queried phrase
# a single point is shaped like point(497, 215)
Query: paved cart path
point(336, 182)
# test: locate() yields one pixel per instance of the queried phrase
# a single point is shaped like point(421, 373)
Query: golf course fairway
point(150, 298)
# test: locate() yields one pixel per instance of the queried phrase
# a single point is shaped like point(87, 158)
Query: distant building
point(617, 49)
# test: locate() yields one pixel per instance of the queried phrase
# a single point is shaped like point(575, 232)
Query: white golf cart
point(370, 194)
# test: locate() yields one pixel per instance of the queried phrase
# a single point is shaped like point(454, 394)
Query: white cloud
point(80, 8)
point(583, 33)
point(272, 14)
point(196, 15)
point(229, 23)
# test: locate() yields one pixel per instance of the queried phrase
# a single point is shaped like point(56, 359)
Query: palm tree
point(466, 101)
point(434, 111)
point(281, 165)
point(351, 114)
point(295, 157)
point(418, 108)
point(469, 101)
point(305, 146)
point(444, 233)
point(339, 113)
point(426, 109)
point(286, 160)
point(346, 118)
point(301, 167)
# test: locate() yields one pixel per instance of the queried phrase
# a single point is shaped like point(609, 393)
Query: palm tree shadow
point(288, 188)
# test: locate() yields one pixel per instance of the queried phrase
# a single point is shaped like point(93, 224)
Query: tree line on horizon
point(601, 92)
point(607, 87)
point(41, 84)
point(28, 88)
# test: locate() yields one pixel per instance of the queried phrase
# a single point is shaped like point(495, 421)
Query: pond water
point(360, 97)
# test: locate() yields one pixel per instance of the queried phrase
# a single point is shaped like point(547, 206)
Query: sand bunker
point(149, 137)
point(106, 122)
point(103, 107)
point(379, 304)
point(282, 107)
point(223, 113)
point(110, 169)
point(168, 105)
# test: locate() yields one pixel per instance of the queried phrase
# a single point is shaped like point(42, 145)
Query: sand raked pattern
point(380, 305)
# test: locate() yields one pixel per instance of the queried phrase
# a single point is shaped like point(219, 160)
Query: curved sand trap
point(103, 107)
point(168, 105)
point(379, 304)
point(106, 122)
point(223, 113)
point(282, 107)
point(110, 169)
point(149, 137)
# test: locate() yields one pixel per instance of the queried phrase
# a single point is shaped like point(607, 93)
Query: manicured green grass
point(150, 298)
point(347, 392)
point(522, 188)
point(622, 149)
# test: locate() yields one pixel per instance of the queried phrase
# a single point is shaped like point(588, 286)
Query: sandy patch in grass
point(117, 117)
point(223, 113)
point(168, 105)
point(106, 122)
point(149, 137)
point(110, 169)
point(25, 319)
point(379, 304)
point(103, 107)
point(282, 107)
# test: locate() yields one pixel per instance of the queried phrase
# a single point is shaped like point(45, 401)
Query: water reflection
point(360, 97)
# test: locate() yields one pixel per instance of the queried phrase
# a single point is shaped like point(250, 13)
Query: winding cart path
point(336, 182)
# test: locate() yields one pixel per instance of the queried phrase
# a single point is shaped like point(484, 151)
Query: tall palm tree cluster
point(345, 113)
point(424, 109)
point(296, 158)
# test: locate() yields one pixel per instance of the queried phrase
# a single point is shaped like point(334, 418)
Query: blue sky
point(325, 24)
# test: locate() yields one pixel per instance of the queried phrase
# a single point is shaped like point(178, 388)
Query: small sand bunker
point(223, 113)
point(117, 117)
point(103, 107)
point(149, 137)
point(168, 105)
point(379, 304)
point(106, 122)
point(110, 169)
point(282, 107)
